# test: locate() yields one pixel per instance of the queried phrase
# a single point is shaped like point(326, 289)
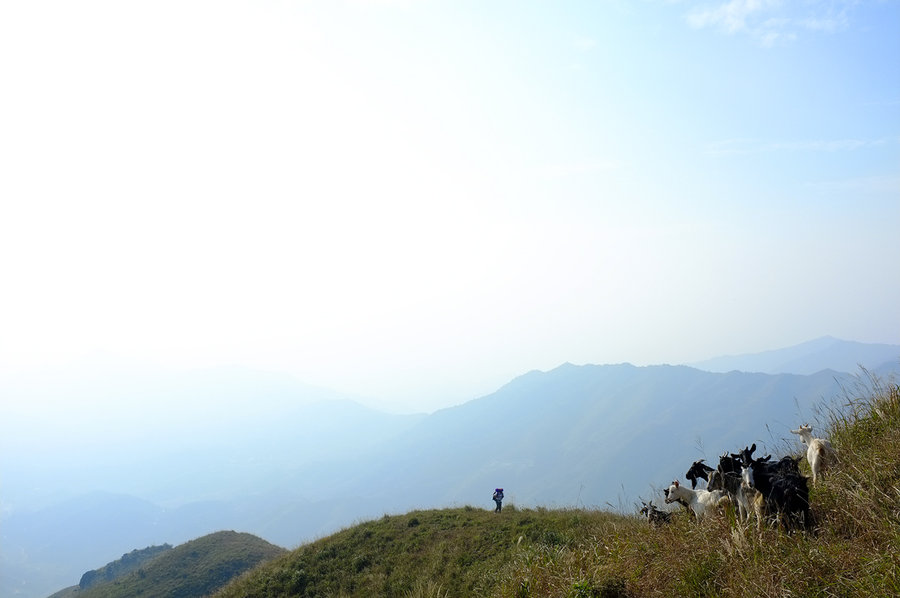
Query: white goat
point(701, 502)
point(819, 452)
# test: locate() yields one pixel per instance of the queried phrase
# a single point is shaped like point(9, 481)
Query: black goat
point(785, 491)
point(727, 478)
point(699, 470)
point(787, 466)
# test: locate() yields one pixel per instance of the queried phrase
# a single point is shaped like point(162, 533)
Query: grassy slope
point(193, 569)
point(129, 562)
point(456, 550)
point(854, 550)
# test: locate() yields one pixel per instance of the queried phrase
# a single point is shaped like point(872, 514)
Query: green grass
point(853, 551)
point(129, 562)
point(450, 552)
point(196, 568)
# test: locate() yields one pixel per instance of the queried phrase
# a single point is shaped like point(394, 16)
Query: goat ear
point(752, 448)
point(675, 483)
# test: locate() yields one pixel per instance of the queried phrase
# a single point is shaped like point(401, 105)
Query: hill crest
point(195, 568)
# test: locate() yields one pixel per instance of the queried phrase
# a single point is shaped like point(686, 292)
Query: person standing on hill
point(498, 498)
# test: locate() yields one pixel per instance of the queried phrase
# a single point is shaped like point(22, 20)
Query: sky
point(416, 201)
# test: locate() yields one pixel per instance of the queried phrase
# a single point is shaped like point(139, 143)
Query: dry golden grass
point(853, 549)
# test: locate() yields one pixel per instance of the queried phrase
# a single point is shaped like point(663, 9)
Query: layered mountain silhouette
point(291, 469)
point(808, 358)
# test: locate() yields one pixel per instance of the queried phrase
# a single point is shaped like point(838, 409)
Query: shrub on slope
point(129, 562)
point(195, 568)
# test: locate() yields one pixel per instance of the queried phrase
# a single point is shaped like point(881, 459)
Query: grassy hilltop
point(853, 551)
point(195, 568)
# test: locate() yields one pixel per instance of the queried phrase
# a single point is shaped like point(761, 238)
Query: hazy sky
point(418, 201)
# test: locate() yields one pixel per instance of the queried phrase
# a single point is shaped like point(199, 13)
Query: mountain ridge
point(850, 550)
point(825, 352)
point(576, 435)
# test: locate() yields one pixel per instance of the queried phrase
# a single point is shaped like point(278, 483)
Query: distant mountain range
point(808, 358)
point(290, 469)
point(588, 435)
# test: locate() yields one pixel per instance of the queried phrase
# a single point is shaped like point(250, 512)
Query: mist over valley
point(129, 462)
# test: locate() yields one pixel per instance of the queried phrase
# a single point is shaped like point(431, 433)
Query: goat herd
point(770, 490)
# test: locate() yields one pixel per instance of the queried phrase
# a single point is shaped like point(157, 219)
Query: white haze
point(414, 202)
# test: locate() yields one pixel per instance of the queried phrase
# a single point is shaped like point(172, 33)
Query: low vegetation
point(196, 568)
point(852, 550)
point(129, 562)
point(450, 552)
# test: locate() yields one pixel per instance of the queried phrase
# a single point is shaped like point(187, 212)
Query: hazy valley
point(264, 454)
